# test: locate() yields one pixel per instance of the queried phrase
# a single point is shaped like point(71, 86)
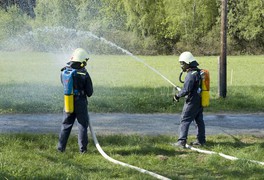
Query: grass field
point(30, 83)
point(32, 156)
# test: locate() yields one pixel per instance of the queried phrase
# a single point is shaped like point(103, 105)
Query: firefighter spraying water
point(77, 86)
point(196, 91)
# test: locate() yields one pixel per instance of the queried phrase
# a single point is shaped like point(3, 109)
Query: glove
point(176, 98)
point(177, 88)
point(62, 69)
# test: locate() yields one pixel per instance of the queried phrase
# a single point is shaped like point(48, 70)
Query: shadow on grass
point(211, 144)
point(64, 160)
point(231, 141)
point(262, 145)
point(46, 98)
point(148, 150)
point(140, 145)
point(30, 98)
point(4, 175)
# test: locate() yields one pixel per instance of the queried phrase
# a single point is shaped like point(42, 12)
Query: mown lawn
point(30, 83)
point(34, 156)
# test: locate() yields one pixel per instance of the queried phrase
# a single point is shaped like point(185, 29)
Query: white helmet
point(79, 55)
point(186, 57)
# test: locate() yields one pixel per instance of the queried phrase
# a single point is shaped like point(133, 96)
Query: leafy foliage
point(149, 27)
point(246, 24)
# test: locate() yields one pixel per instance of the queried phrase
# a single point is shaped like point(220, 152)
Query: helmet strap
point(84, 63)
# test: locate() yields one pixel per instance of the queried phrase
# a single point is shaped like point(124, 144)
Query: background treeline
point(147, 27)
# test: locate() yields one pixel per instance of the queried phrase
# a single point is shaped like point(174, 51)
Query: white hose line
point(119, 162)
point(221, 154)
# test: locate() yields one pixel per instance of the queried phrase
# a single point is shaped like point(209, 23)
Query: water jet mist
point(61, 39)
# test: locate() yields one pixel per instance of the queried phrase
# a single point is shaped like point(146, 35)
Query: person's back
point(82, 85)
point(82, 88)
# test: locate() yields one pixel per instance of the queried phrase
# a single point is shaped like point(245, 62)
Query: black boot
point(197, 143)
point(180, 144)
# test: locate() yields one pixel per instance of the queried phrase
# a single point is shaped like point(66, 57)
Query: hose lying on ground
point(119, 162)
point(152, 173)
point(221, 154)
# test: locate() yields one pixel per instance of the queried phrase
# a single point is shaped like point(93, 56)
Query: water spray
point(130, 54)
point(177, 88)
point(22, 40)
point(91, 128)
point(30, 35)
point(90, 125)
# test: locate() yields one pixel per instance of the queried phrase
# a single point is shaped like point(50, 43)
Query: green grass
point(30, 83)
point(34, 156)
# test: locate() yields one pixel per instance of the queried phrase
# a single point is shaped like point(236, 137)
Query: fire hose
point(221, 154)
point(152, 173)
point(119, 162)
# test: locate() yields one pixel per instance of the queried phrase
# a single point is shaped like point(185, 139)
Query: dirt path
point(147, 124)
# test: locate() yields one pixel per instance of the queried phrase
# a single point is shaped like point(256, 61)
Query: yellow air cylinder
point(205, 94)
point(68, 103)
point(67, 80)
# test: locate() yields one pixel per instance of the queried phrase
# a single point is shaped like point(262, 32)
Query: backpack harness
point(204, 85)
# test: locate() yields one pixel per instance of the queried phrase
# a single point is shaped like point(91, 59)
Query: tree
point(56, 13)
point(146, 26)
point(246, 24)
point(26, 6)
point(190, 20)
point(88, 15)
point(147, 19)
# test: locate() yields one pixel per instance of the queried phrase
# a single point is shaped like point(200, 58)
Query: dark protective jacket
point(83, 87)
point(192, 109)
point(191, 88)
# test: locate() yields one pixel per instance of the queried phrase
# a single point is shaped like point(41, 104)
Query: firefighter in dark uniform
point(192, 109)
point(83, 88)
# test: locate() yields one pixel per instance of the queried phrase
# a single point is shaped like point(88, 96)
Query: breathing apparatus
point(80, 57)
point(205, 86)
point(188, 61)
point(67, 80)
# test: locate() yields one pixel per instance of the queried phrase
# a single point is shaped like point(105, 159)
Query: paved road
point(147, 124)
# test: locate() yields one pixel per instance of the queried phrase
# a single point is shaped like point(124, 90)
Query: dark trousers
point(191, 113)
point(67, 124)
